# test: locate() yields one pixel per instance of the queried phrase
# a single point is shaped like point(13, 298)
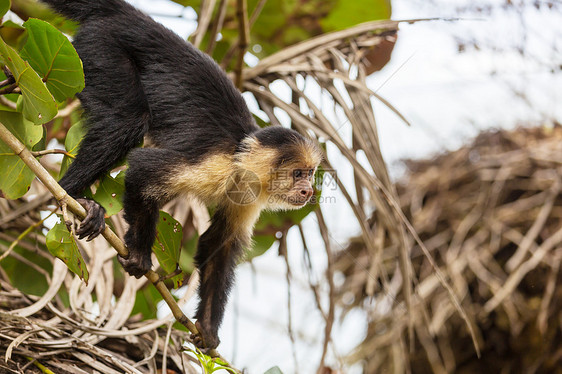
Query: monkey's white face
point(290, 188)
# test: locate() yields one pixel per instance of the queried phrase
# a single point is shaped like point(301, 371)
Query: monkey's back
point(182, 89)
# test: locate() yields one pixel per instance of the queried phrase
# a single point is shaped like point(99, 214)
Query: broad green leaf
point(24, 277)
point(38, 9)
point(72, 142)
point(52, 55)
point(260, 245)
point(15, 176)
point(4, 7)
point(110, 193)
point(62, 245)
point(349, 13)
point(37, 104)
point(146, 302)
point(189, 247)
point(167, 244)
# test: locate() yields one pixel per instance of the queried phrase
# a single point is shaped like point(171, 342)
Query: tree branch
point(52, 151)
point(8, 89)
point(217, 26)
point(244, 37)
point(64, 199)
point(255, 14)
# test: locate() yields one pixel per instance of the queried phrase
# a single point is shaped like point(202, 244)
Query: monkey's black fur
point(142, 79)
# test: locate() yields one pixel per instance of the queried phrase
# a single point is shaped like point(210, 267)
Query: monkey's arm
point(117, 116)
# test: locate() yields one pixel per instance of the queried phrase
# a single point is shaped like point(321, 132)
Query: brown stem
point(8, 89)
point(228, 55)
point(52, 151)
point(243, 37)
point(217, 26)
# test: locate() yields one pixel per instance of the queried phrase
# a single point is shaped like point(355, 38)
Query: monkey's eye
point(297, 173)
point(310, 172)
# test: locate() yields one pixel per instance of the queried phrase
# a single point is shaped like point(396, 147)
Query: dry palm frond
point(491, 213)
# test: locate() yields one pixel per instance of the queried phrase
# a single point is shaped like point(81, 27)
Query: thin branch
point(64, 199)
point(10, 104)
point(330, 277)
point(8, 89)
point(52, 151)
point(217, 26)
point(228, 55)
point(284, 252)
point(69, 108)
point(244, 37)
point(205, 15)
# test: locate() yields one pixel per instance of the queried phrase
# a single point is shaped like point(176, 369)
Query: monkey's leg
point(217, 253)
point(145, 192)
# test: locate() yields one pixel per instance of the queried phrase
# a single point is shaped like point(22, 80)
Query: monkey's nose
point(306, 193)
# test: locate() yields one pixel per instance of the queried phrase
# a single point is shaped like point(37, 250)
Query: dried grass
point(95, 332)
point(491, 215)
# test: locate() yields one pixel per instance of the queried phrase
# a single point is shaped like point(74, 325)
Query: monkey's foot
point(205, 340)
point(136, 264)
point(94, 223)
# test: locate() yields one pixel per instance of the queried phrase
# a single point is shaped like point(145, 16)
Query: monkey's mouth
point(298, 202)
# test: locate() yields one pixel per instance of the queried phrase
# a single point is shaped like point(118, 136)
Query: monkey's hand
point(206, 339)
point(137, 263)
point(94, 223)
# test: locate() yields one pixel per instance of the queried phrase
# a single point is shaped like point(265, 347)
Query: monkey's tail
point(81, 10)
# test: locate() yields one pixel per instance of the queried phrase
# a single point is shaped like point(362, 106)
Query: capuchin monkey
point(142, 80)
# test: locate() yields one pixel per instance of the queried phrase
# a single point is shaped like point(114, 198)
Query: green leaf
point(167, 244)
point(110, 193)
point(37, 104)
point(261, 243)
point(52, 55)
point(349, 13)
point(15, 176)
point(146, 302)
point(72, 142)
point(4, 7)
point(189, 247)
point(62, 245)
point(24, 277)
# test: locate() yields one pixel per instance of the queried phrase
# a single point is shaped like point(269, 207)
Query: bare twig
point(9, 89)
point(68, 109)
point(51, 152)
point(230, 53)
point(217, 26)
point(8, 103)
point(244, 37)
point(205, 14)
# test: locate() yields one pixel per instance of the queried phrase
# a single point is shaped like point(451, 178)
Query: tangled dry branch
point(491, 214)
